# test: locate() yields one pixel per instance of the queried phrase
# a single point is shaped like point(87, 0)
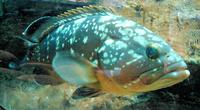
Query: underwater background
point(177, 21)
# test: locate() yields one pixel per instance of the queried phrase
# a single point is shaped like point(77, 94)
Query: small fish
point(94, 48)
point(8, 60)
point(40, 79)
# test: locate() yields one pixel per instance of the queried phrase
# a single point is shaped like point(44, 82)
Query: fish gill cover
point(27, 94)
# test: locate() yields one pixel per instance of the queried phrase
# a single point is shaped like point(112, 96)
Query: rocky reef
point(177, 21)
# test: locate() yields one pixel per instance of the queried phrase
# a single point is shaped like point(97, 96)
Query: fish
point(8, 60)
point(42, 79)
point(102, 52)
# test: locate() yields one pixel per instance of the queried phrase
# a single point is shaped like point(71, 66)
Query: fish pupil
point(152, 52)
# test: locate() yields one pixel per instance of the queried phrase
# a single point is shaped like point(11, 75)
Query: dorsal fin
point(37, 30)
point(91, 9)
point(40, 28)
point(31, 29)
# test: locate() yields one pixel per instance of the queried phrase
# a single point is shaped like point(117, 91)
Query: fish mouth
point(175, 71)
point(160, 77)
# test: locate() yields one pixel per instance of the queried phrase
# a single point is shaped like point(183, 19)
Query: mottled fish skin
point(112, 41)
point(93, 34)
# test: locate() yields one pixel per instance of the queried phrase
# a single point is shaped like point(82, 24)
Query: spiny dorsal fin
point(86, 9)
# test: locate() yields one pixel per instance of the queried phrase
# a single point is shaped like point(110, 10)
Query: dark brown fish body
point(90, 45)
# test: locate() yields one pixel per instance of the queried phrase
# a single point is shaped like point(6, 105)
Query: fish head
point(140, 60)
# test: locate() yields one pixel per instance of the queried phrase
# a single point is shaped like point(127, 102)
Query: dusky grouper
point(95, 48)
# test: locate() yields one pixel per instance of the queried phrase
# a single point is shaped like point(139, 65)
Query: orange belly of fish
point(109, 85)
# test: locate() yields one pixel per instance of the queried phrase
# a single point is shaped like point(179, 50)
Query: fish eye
point(152, 52)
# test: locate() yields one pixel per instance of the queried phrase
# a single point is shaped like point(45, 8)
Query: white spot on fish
point(71, 41)
point(59, 29)
point(96, 27)
point(86, 26)
point(122, 54)
point(109, 41)
point(63, 45)
point(105, 18)
point(140, 31)
point(101, 49)
point(128, 63)
point(141, 40)
point(57, 39)
point(121, 44)
point(106, 61)
point(52, 38)
point(105, 55)
point(79, 21)
point(82, 54)
point(90, 58)
point(157, 39)
point(96, 32)
point(93, 20)
point(126, 38)
point(114, 59)
point(70, 32)
point(103, 36)
point(126, 23)
point(95, 62)
point(106, 30)
point(102, 27)
point(130, 52)
point(85, 39)
point(71, 51)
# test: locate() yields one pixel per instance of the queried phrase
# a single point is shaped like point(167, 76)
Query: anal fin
point(86, 92)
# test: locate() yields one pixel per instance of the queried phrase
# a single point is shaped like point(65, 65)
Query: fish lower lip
point(180, 74)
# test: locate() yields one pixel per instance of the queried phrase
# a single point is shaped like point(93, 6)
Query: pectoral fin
point(86, 92)
point(73, 68)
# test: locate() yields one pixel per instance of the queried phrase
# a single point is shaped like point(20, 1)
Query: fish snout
point(173, 61)
point(176, 70)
